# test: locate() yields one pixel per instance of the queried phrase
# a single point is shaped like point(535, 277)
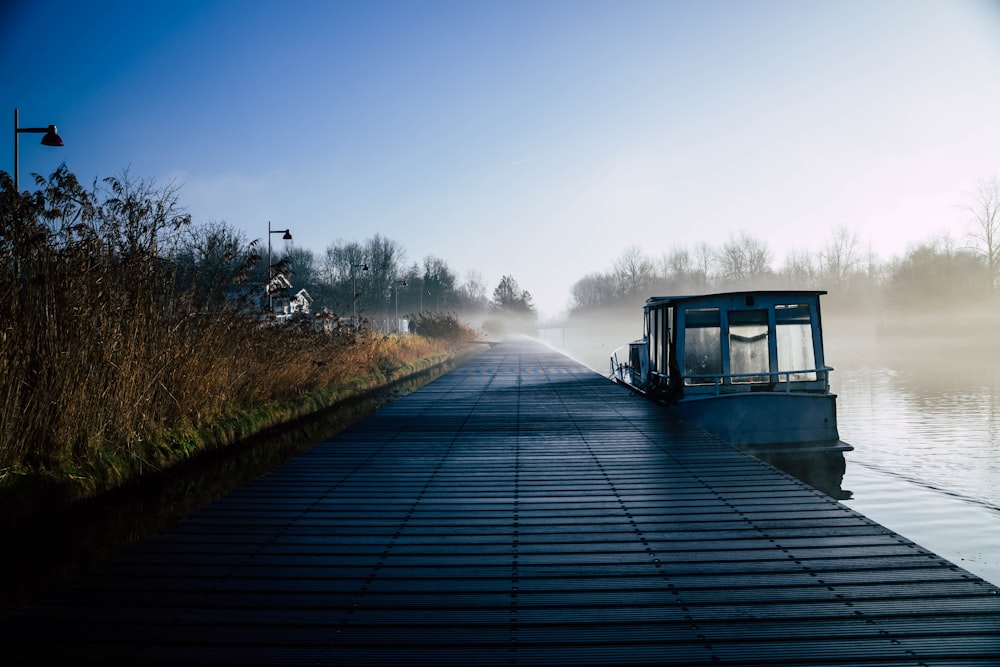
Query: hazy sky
point(538, 139)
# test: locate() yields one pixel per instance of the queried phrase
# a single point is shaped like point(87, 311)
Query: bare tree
point(676, 263)
point(342, 260)
point(342, 266)
point(874, 267)
point(984, 226)
point(140, 219)
point(744, 259)
point(634, 272)
point(303, 266)
point(840, 257)
point(384, 258)
point(594, 290)
point(213, 258)
point(473, 290)
point(799, 270)
point(705, 258)
point(438, 282)
point(758, 257)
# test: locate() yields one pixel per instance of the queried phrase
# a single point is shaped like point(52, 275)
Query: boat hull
point(766, 420)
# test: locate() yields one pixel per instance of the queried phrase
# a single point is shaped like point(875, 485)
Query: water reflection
point(823, 471)
point(930, 414)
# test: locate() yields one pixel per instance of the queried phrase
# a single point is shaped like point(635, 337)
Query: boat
point(748, 367)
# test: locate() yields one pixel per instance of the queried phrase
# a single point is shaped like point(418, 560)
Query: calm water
point(925, 424)
point(926, 432)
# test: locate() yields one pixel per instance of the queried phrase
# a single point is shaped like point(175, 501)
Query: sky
point(534, 139)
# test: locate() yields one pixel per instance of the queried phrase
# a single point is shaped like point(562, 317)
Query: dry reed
point(108, 367)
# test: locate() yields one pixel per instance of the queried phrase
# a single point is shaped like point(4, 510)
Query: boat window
point(702, 345)
point(748, 350)
point(662, 340)
point(793, 331)
point(654, 338)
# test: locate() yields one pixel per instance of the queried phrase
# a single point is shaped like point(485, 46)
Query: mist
point(938, 346)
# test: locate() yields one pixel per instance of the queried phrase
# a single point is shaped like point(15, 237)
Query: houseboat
point(747, 367)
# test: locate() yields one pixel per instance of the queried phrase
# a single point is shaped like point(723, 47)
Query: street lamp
point(287, 237)
point(396, 290)
point(354, 301)
point(51, 138)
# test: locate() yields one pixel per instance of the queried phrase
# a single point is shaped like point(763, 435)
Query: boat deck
point(519, 510)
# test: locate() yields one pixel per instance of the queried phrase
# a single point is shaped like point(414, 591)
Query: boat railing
point(623, 372)
point(619, 368)
point(717, 382)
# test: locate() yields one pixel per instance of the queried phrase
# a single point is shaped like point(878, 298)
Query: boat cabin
point(730, 343)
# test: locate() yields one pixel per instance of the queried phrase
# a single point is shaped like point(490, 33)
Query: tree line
point(218, 266)
point(937, 271)
point(370, 279)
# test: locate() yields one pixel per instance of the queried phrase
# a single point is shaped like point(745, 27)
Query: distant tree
point(935, 273)
point(705, 258)
point(676, 263)
point(411, 297)
point(341, 266)
point(438, 283)
point(212, 259)
point(799, 270)
point(305, 270)
point(384, 258)
point(840, 257)
point(509, 297)
point(341, 260)
point(744, 260)
point(634, 273)
point(594, 290)
point(984, 227)
point(473, 291)
point(361, 276)
point(680, 272)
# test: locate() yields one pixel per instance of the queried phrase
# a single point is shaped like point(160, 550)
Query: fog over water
point(921, 410)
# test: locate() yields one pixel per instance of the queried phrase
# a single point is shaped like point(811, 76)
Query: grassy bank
point(39, 485)
point(119, 358)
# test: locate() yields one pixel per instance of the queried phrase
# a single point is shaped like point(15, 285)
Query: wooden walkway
point(521, 510)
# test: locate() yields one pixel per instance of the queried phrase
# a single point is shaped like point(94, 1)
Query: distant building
point(282, 306)
point(300, 304)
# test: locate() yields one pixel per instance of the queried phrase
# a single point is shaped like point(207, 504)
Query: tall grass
point(107, 366)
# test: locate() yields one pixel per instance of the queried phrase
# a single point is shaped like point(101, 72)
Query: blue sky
point(537, 139)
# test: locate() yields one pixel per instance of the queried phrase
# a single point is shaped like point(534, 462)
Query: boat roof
point(719, 296)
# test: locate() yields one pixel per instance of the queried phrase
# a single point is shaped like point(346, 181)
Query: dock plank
point(520, 510)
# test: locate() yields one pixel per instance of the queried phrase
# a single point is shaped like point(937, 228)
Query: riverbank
point(29, 492)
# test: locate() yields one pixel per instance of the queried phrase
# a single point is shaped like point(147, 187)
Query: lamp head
point(52, 137)
point(288, 235)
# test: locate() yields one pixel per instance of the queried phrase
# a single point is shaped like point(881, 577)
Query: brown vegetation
point(113, 362)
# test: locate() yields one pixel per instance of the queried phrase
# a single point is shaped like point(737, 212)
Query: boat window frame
point(766, 375)
point(815, 346)
point(777, 379)
point(702, 379)
point(657, 326)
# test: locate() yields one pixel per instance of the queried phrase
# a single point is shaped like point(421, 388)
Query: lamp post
point(51, 138)
point(354, 301)
point(396, 290)
point(287, 237)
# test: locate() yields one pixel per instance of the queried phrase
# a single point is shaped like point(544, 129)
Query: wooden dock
point(520, 510)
